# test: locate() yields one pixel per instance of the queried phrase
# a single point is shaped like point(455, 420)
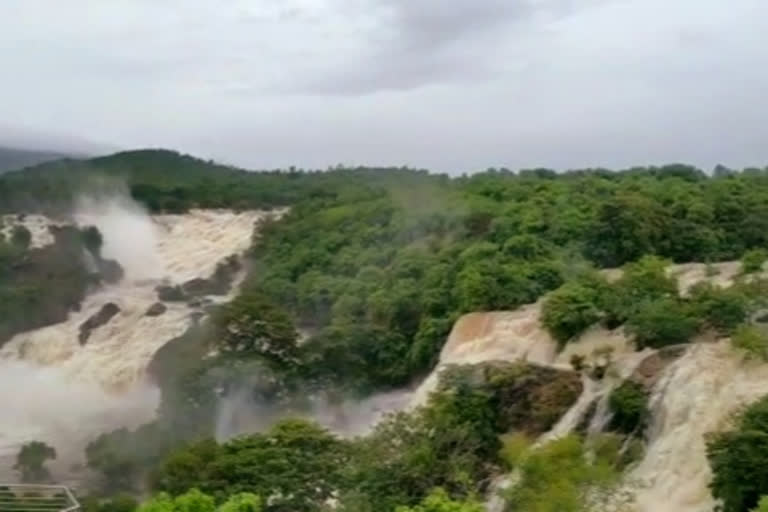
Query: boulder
point(199, 286)
point(110, 270)
point(168, 293)
point(102, 317)
point(156, 309)
point(649, 370)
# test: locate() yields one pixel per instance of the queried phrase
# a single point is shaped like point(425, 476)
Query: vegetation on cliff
point(355, 290)
point(40, 286)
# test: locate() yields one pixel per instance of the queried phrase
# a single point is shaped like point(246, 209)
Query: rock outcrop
point(102, 317)
point(530, 398)
point(156, 309)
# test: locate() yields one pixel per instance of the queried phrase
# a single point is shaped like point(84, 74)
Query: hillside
point(564, 313)
point(13, 158)
point(171, 182)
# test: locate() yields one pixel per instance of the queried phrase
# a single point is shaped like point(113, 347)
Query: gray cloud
point(418, 43)
point(447, 84)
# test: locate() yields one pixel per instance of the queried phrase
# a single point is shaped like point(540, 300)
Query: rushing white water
point(36, 224)
point(696, 395)
point(693, 396)
point(54, 389)
point(498, 335)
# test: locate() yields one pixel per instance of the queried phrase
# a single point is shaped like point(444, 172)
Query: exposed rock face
point(170, 293)
point(530, 398)
point(156, 309)
point(198, 286)
point(650, 369)
point(219, 283)
point(102, 317)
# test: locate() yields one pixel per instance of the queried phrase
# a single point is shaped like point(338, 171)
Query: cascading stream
point(697, 395)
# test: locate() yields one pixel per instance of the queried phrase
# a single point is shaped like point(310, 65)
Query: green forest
point(355, 289)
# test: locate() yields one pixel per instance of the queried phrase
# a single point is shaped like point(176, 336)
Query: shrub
point(296, 462)
point(643, 281)
point(723, 309)
point(762, 505)
point(752, 341)
point(243, 502)
point(21, 237)
point(558, 476)
point(31, 459)
point(439, 501)
point(662, 322)
point(629, 406)
point(738, 459)
point(191, 501)
point(569, 311)
point(616, 448)
point(752, 261)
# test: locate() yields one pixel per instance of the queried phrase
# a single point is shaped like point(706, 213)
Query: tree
point(439, 501)
point(662, 322)
point(243, 502)
point(752, 261)
point(738, 458)
point(31, 459)
point(191, 501)
point(723, 309)
point(196, 501)
point(762, 505)
point(752, 340)
point(296, 462)
point(569, 310)
point(558, 477)
point(253, 325)
point(643, 281)
point(629, 407)
point(627, 227)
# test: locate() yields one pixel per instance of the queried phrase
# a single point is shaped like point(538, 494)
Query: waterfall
point(697, 395)
point(56, 389)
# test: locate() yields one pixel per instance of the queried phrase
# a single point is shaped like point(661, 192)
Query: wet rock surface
point(650, 369)
point(156, 309)
point(167, 293)
point(102, 317)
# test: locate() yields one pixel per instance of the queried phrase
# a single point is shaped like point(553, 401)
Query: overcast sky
point(451, 85)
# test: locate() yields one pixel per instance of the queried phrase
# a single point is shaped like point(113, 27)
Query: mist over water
point(241, 414)
point(130, 235)
point(44, 403)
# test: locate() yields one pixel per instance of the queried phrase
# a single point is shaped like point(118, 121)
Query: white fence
point(37, 498)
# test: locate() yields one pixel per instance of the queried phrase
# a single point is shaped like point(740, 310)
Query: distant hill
point(163, 180)
point(14, 158)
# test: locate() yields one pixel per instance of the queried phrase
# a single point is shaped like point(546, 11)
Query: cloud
point(452, 85)
point(414, 44)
